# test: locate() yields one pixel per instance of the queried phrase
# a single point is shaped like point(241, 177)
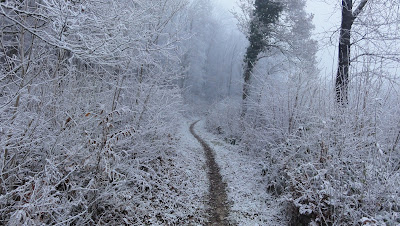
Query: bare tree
point(342, 77)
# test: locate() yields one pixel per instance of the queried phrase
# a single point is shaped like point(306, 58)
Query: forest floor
point(237, 188)
point(217, 200)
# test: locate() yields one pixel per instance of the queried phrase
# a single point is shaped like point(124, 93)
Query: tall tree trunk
point(246, 86)
point(342, 76)
point(266, 14)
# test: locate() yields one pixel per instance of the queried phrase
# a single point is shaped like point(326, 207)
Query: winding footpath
point(218, 208)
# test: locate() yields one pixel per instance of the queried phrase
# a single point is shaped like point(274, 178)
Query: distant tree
point(266, 13)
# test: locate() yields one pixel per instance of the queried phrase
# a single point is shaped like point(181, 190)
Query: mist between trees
point(92, 94)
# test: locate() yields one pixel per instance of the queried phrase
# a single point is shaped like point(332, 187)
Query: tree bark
point(342, 76)
point(246, 86)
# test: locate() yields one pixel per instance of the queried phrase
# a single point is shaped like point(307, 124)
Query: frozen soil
point(217, 197)
point(191, 163)
point(249, 202)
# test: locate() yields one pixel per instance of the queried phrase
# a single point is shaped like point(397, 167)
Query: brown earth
point(218, 205)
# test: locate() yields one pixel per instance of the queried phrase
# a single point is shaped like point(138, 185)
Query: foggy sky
point(326, 21)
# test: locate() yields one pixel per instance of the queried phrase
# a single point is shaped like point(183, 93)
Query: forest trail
point(219, 209)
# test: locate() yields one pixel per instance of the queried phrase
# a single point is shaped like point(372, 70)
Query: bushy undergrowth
point(222, 119)
point(338, 167)
point(89, 114)
point(97, 167)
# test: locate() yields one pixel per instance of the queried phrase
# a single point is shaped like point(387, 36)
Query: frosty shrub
point(333, 166)
point(223, 119)
point(88, 113)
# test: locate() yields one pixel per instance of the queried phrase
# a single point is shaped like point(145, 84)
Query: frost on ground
point(218, 208)
point(187, 181)
point(250, 202)
point(191, 161)
point(152, 188)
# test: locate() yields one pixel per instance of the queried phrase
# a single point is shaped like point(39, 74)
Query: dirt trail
point(219, 210)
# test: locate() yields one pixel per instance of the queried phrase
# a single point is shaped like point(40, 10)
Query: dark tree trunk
point(248, 69)
point(266, 14)
point(246, 86)
point(342, 77)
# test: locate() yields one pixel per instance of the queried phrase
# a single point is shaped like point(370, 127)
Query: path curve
point(218, 208)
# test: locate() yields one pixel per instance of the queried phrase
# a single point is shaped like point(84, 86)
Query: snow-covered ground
point(190, 159)
point(250, 202)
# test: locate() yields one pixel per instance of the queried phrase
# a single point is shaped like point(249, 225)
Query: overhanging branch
point(359, 8)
